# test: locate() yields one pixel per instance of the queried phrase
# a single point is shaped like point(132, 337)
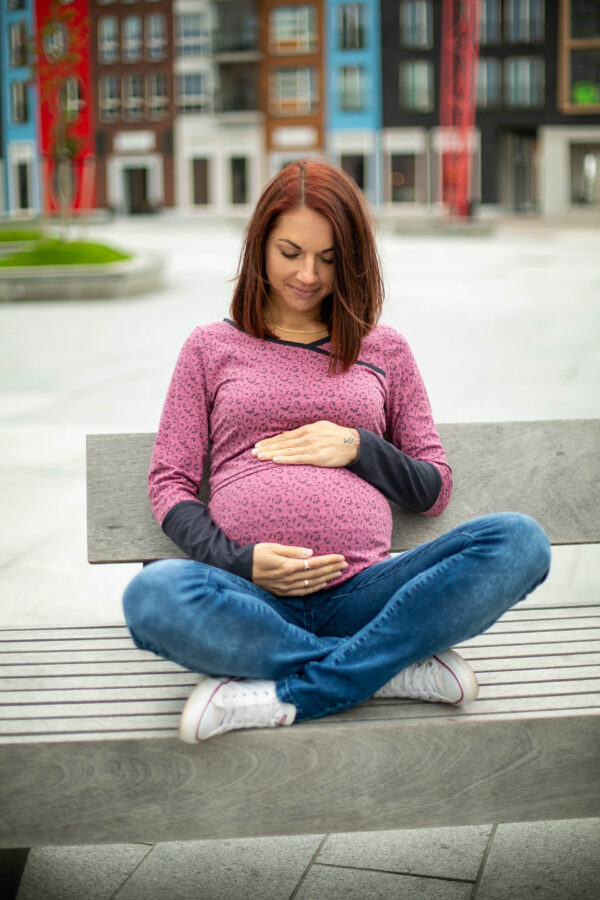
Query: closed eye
point(328, 261)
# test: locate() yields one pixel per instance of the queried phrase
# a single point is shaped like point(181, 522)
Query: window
point(200, 181)
point(524, 20)
point(489, 83)
point(157, 95)
point(416, 85)
point(14, 5)
point(109, 98)
point(133, 99)
point(490, 31)
point(131, 48)
point(156, 36)
point(18, 43)
point(293, 91)
point(108, 39)
point(192, 93)
point(106, 2)
point(352, 30)
point(524, 81)
point(71, 98)
point(579, 84)
point(354, 166)
point(416, 23)
point(292, 29)
point(352, 83)
point(585, 19)
point(19, 107)
point(56, 41)
point(585, 77)
point(402, 178)
point(192, 35)
point(22, 171)
point(239, 179)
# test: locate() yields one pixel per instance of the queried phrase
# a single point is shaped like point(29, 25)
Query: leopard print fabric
point(230, 389)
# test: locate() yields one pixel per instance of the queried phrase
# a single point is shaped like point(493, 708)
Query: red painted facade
point(64, 81)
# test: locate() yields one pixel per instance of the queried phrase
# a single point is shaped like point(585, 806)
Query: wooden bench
point(88, 732)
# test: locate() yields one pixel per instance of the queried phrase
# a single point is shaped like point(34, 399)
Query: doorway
point(136, 191)
point(585, 174)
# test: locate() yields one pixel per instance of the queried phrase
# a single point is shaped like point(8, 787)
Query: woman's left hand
point(318, 444)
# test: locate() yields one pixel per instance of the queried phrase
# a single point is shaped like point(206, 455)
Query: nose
point(307, 273)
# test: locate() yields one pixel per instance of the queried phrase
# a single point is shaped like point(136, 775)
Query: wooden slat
point(554, 476)
point(511, 663)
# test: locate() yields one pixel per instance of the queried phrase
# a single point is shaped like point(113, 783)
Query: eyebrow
point(296, 247)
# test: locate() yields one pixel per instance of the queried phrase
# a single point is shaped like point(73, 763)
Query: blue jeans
point(333, 649)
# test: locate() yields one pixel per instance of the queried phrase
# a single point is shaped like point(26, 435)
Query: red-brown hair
point(354, 306)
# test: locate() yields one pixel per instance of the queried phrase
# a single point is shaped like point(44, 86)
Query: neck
point(282, 321)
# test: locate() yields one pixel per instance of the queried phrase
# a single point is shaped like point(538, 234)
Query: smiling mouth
point(304, 292)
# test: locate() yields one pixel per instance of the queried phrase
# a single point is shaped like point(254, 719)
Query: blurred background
point(433, 106)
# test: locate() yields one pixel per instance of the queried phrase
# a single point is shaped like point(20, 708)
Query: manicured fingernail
point(306, 552)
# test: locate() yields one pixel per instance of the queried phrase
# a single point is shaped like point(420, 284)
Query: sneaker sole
point(462, 673)
point(195, 707)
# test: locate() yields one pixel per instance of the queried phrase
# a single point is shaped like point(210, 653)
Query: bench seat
point(88, 724)
point(88, 732)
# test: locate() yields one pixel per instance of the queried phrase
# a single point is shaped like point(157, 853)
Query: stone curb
point(105, 281)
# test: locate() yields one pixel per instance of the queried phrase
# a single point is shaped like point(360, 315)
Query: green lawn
point(12, 235)
point(52, 252)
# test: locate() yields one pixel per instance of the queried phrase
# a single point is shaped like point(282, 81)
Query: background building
point(132, 66)
point(292, 80)
point(60, 60)
point(19, 172)
point(219, 130)
point(353, 67)
point(195, 103)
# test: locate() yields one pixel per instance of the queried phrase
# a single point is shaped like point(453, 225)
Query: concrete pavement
point(504, 326)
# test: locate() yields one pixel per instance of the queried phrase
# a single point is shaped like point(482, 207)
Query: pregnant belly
point(327, 510)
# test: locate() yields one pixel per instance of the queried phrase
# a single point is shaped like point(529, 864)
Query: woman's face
point(299, 264)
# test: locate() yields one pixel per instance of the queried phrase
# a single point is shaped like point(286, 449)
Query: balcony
point(236, 29)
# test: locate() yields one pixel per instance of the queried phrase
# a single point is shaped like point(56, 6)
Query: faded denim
point(334, 649)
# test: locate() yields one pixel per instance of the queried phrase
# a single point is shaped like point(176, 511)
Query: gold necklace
point(272, 324)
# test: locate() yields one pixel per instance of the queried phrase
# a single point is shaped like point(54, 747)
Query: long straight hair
point(354, 305)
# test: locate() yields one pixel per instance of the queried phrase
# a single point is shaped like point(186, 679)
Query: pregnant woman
point(290, 605)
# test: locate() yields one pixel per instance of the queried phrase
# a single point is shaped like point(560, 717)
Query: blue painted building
point(20, 191)
point(353, 72)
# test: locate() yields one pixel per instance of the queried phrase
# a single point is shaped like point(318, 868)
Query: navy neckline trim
point(315, 346)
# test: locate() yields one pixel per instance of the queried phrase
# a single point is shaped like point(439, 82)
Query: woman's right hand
point(293, 571)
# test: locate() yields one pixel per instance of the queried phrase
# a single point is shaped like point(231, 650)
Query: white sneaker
point(217, 705)
point(443, 678)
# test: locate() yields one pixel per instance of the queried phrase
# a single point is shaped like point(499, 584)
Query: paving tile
point(79, 873)
point(262, 868)
point(545, 860)
point(442, 852)
point(358, 884)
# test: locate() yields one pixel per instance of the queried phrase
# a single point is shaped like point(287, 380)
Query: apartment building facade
point(132, 68)
point(19, 158)
point(353, 77)
point(292, 44)
point(219, 124)
point(537, 105)
point(195, 103)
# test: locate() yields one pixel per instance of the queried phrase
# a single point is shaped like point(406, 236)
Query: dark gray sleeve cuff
point(412, 483)
point(190, 526)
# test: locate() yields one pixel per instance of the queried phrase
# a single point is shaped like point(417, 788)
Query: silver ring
point(306, 582)
point(306, 565)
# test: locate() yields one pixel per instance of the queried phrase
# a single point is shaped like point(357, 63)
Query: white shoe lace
point(248, 706)
point(416, 682)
